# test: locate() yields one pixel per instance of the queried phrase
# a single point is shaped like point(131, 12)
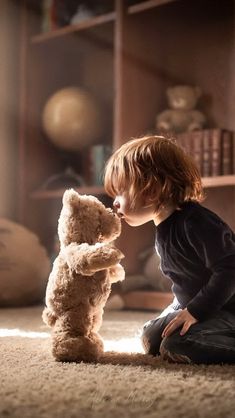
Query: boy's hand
point(183, 318)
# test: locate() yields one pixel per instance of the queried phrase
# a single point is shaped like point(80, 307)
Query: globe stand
point(64, 179)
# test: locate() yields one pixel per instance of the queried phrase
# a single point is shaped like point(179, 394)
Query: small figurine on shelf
point(182, 115)
point(64, 11)
point(87, 9)
point(83, 12)
point(64, 179)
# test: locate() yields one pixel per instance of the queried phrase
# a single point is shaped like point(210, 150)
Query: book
point(212, 149)
point(98, 155)
point(191, 142)
point(183, 141)
point(179, 140)
point(233, 157)
point(46, 15)
point(206, 153)
point(196, 147)
point(49, 15)
point(227, 152)
point(216, 151)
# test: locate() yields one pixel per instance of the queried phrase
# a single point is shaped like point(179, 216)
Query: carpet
point(33, 385)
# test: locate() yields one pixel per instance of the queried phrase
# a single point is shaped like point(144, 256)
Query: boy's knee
point(145, 337)
point(173, 349)
point(150, 339)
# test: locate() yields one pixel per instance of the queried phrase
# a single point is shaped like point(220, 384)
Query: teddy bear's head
point(84, 219)
point(183, 97)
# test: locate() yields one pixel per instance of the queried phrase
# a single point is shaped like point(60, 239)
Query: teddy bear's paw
point(163, 126)
point(194, 126)
point(113, 253)
point(100, 257)
point(116, 273)
point(48, 317)
point(77, 348)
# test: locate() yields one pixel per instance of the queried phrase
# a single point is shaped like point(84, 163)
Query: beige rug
point(33, 385)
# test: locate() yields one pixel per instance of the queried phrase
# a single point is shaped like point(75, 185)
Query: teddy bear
point(81, 277)
point(182, 115)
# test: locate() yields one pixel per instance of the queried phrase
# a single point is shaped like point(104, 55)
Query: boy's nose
point(116, 204)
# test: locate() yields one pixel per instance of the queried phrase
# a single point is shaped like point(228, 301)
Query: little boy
point(153, 179)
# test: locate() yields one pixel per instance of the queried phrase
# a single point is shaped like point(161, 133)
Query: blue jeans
point(211, 341)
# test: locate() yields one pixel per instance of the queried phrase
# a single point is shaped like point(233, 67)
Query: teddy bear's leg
point(67, 346)
point(97, 320)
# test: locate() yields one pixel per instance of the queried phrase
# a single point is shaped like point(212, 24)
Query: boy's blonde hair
point(154, 170)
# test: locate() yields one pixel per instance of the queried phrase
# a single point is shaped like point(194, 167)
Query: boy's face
point(139, 215)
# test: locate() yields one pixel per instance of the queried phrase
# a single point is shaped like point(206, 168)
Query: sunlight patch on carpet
point(5, 332)
point(128, 345)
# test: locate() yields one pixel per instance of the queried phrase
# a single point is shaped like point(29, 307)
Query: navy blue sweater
point(197, 251)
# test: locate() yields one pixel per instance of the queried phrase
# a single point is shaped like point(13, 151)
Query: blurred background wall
point(9, 70)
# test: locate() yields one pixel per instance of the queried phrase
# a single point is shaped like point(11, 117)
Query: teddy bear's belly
point(82, 291)
point(181, 120)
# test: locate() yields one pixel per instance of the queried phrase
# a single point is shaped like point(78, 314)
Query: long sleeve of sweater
point(214, 243)
point(197, 251)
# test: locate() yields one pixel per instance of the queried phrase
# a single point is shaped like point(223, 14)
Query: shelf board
point(58, 193)
point(145, 5)
point(219, 181)
point(86, 24)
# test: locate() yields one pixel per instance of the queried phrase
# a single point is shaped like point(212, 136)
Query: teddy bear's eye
point(110, 211)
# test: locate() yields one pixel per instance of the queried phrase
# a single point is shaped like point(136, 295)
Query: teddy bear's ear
point(70, 197)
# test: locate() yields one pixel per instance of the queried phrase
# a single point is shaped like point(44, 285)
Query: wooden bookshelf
point(127, 58)
point(68, 30)
point(208, 182)
point(219, 181)
point(146, 5)
point(58, 193)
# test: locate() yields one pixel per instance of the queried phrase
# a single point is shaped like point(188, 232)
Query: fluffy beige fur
point(81, 277)
point(181, 115)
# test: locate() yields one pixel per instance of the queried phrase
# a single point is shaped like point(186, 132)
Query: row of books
point(212, 149)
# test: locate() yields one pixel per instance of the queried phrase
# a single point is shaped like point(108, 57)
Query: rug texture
point(126, 384)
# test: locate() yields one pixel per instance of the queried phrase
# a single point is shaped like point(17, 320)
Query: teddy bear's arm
point(198, 120)
point(87, 259)
point(163, 120)
point(48, 317)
